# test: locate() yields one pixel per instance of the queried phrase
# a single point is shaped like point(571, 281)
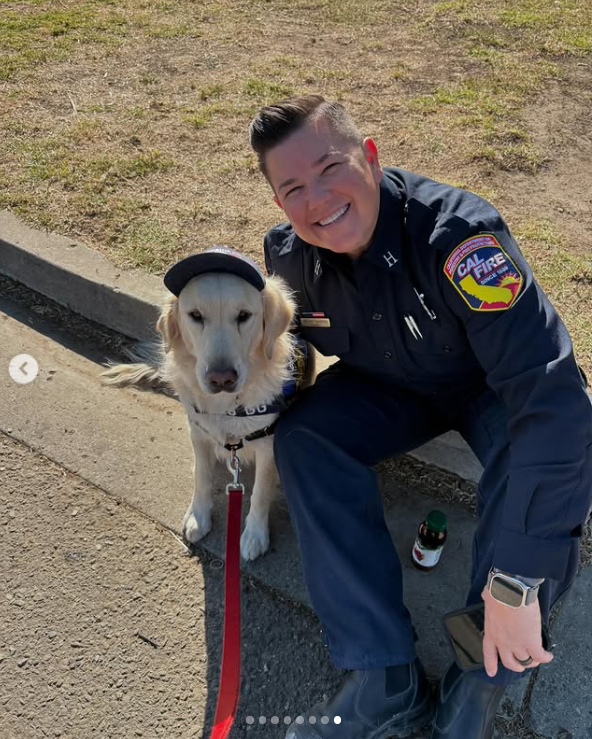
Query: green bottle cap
point(436, 520)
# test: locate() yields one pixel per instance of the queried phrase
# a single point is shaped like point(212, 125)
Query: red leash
point(229, 689)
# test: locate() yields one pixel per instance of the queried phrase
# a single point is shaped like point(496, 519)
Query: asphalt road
point(109, 628)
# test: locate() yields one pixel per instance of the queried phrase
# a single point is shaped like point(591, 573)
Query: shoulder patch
point(484, 274)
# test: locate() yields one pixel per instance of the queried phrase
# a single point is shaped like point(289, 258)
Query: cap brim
point(181, 273)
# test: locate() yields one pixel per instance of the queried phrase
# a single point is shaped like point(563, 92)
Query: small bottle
point(431, 537)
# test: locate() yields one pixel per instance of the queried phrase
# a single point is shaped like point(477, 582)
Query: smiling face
point(328, 186)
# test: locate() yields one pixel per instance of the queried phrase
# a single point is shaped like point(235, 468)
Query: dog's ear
point(168, 323)
point(278, 312)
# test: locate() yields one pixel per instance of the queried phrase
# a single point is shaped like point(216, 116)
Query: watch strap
point(531, 595)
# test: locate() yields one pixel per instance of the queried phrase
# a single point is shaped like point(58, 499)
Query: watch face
point(506, 591)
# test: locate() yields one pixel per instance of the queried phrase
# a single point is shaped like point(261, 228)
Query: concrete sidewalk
point(135, 447)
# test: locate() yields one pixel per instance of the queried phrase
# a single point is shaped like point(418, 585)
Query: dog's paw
point(196, 524)
point(254, 539)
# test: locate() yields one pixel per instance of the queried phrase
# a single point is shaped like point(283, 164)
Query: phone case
point(460, 646)
point(465, 644)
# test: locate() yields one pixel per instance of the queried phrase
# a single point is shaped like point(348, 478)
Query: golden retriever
point(226, 346)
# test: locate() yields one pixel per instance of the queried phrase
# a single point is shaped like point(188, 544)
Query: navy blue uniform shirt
point(443, 303)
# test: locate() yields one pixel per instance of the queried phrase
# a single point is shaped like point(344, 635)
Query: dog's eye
point(243, 316)
point(196, 316)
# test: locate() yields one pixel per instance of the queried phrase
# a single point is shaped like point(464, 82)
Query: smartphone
point(465, 628)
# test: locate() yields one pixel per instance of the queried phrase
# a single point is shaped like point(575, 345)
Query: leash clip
point(233, 464)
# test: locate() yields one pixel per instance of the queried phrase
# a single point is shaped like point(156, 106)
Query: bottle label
point(426, 557)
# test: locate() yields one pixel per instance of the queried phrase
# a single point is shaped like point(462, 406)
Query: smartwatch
point(511, 590)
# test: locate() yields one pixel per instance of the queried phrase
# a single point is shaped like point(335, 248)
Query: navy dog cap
point(214, 259)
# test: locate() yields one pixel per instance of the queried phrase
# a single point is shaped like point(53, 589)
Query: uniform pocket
point(436, 340)
point(331, 341)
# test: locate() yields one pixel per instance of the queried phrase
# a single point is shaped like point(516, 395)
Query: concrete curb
point(84, 281)
point(79, 278)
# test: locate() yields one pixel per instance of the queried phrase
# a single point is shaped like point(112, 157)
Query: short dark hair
point(276, 122)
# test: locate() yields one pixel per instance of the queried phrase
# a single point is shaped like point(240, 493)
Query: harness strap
point(267, 431)
point(278, 405)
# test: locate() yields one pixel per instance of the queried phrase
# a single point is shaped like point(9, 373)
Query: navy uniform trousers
point(325, 445)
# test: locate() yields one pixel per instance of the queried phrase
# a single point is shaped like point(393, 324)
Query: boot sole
point(421, 717)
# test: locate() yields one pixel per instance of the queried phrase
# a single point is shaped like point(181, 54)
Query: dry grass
point(126, 124)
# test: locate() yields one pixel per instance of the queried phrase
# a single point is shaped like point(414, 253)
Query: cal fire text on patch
point(484, 274)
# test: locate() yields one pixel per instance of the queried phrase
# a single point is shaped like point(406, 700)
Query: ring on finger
point(524, 662)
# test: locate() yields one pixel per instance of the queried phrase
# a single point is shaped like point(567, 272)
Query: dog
point(227, 352)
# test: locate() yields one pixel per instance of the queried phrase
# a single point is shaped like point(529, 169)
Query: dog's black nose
point(222, 379)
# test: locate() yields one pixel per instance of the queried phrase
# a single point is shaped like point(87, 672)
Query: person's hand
point(513, 634)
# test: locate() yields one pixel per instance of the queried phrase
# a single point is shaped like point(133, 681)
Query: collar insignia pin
point(390, 260)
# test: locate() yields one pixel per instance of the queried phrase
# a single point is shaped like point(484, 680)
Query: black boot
point(372, 704)
point(466, 706)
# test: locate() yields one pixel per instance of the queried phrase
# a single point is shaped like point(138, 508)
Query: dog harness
point(297, 367)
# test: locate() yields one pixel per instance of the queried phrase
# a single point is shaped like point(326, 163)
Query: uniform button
point(377, 316)
point(447, 348)
point(388, 355)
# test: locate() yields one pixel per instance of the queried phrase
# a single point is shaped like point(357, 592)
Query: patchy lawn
point(125, 124)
